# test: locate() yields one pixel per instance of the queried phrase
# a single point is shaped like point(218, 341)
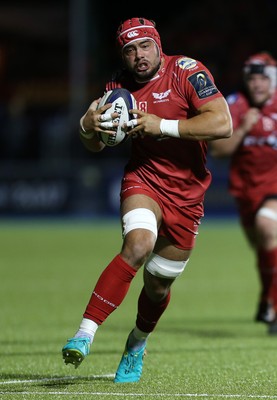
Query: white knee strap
point(139, 218)
point(163, 268)
point(268, 213)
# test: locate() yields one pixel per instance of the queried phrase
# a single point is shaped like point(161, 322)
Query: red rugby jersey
point(175, 168)
point(254, 164)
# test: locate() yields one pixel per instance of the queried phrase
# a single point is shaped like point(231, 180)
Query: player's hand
point(95, 121)
point(250, 119)
point(143, 124)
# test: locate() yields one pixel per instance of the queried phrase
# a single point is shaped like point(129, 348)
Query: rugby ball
point(122, 101)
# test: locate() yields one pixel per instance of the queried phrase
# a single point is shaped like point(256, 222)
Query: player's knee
point(266, 226)
point(139, 218)
point(138, 246)
point(140, 234)
point(267, 213)
point(164, 268)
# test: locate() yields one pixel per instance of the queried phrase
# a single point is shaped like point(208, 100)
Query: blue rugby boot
point(130, 366)
point(76, 350)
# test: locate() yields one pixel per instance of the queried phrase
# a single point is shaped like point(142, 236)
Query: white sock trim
point(88, 326)
point(140, 335)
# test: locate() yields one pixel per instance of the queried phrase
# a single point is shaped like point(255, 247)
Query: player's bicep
point(218, 105)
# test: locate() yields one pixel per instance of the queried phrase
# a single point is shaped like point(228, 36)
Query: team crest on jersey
point(202, 84)
point(161, 97)
point(186, 63)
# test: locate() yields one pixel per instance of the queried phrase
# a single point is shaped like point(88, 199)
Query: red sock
point(267, 264)
point(110, 290)
point(149, 312)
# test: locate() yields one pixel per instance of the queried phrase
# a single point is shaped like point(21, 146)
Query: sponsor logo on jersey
point(202, 84)
point(186, 63)
point(161, 97)
point(270, 140)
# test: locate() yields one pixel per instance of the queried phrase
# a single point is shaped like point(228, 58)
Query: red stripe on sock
point(110, 290)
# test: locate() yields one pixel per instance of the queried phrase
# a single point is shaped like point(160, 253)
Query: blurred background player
point(253, 172)
point(179, 109)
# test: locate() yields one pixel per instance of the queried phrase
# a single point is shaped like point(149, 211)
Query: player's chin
point(142, 76)
point(259, 100)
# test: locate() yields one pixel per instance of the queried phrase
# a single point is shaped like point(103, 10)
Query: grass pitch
point(206, 346)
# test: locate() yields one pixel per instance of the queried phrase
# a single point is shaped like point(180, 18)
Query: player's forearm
point(226, 147)
point(207, 126)
point(90, 139)
point(213, 121)
point(93, 144)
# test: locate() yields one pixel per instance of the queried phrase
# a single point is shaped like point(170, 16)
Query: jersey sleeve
point(237, 106)
point(197, 81)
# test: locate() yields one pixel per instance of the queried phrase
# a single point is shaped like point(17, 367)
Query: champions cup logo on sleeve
point(202, 84)
point(201, 80)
